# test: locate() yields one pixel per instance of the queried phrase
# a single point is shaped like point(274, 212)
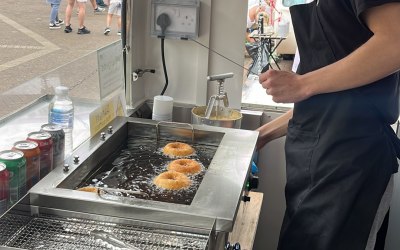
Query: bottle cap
point(61, 90)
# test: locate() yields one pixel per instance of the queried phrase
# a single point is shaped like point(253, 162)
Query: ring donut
point(172, 180)
point(88, 189)
point(185, 166)
point(178, 149)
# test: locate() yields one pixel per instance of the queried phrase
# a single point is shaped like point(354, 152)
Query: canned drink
point(45, 142)
point(32, 155)
point(58, 136)
point(4, 188)
point(16, 165)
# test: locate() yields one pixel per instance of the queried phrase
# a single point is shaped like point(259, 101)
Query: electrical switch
point(183, 16)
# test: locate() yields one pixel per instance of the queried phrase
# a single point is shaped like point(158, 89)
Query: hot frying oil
point(135, 165)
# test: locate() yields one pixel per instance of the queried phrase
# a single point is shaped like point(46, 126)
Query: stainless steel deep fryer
point(210, 213)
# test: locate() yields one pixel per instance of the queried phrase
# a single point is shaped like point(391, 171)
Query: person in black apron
point(340, 149)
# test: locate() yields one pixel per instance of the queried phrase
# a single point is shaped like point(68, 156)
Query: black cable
point(163, 21)
point(164, 67)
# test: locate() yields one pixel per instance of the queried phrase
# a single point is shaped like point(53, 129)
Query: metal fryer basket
point(55, 232)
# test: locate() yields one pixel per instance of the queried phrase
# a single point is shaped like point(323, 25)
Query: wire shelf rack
point(55, 232)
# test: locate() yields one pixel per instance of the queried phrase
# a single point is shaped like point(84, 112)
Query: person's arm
point(273, 129)
point(375, 59)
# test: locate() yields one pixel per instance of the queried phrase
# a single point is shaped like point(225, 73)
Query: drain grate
point(54, 232)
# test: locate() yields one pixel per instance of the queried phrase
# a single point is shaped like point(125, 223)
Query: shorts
point(115, 9)
point(81, 1)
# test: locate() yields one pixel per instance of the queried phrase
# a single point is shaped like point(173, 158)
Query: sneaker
point(54, 26)
point(68, 29)
point(119, 32)
point(60, 22)
point(83, 31)
point(99, 9)
point(107, 31)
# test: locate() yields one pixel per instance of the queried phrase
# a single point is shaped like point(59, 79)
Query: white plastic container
point(61, 112)
point(282, 28)
point(162, 108)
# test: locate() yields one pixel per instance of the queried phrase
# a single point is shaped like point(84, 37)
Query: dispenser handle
point(210, 106)
point(220, 77)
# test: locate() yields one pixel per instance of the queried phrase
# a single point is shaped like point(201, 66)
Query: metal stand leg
point(271, 49)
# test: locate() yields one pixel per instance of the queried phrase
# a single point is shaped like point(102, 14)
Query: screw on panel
point(103, 136)
point(66, 167)
point(76, 159)
point(110, 129)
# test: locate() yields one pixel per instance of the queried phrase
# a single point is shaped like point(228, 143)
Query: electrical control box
point(178, 19)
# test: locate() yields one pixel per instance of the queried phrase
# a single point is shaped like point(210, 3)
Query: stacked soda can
point(4, 188)
point(32, 155)
point(15, 163)
point(58, 137)
point(45, 142)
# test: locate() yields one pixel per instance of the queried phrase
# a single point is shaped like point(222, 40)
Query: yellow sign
point(99, 118)
point(115, 106)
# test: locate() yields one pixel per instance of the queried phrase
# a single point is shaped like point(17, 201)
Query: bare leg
point(94, 4)
point(109, 19)
point(68, 12)
point(81, 15)
point(119, 23)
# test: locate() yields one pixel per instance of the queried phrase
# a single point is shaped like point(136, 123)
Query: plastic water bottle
point(61, 112)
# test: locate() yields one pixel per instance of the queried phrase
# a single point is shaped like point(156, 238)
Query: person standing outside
point(114, 8)
point(253, 11)
point(97, 8)
point(101, 3)
point(340, 148)
point(55, 22)
point(81, 16)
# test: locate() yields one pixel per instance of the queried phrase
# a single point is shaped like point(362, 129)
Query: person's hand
point(283, 86)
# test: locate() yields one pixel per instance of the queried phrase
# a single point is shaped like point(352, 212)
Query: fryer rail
point(55, 232)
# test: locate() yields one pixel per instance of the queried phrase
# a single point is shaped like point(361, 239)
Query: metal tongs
point(109, 238)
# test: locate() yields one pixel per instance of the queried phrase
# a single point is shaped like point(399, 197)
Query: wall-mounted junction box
point(183, 16)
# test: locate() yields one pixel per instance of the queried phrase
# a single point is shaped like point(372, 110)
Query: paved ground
point(28, 48)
